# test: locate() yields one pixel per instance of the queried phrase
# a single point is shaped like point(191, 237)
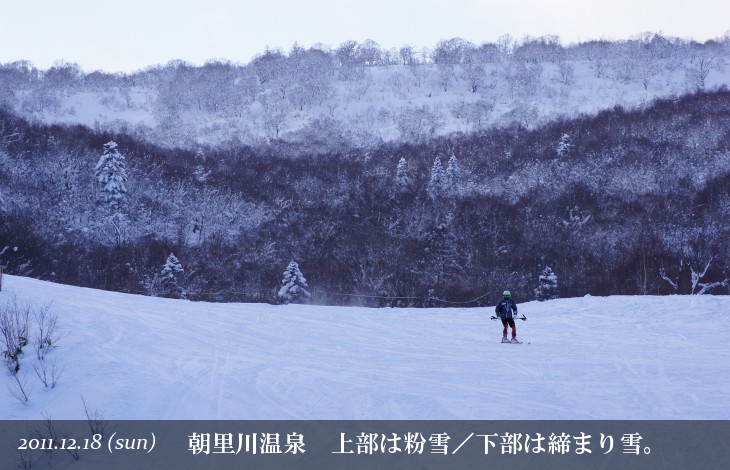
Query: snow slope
point(136, 357)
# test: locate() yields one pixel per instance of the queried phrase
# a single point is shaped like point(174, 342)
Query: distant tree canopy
point(331, 98)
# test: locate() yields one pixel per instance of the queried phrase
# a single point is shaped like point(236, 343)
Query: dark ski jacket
point(505, 308)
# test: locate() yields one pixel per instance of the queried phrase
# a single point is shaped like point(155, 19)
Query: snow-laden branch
point(664, 276)
point(696, 277)
point(711, 285)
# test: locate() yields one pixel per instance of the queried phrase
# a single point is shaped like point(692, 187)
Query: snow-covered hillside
point(134, 357)
point(362, 95)
point(395, 103)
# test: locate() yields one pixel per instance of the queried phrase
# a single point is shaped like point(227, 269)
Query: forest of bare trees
point(360, 94)
point(623, 202)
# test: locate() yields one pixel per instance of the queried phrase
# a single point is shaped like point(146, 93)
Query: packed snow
point(136, 357)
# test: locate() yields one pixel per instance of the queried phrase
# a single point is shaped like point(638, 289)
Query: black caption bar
point(318, 445)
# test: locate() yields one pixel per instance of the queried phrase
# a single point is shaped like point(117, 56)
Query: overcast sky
point(127, 35)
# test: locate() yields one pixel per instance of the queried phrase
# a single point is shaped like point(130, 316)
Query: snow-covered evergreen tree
point(436, 184)
point(453, 174)
point(201, 174)
point(402, 178)
point(111, 174)
point(548, 285)
point(565, 145)
point(171, 271)
point(293, 285)
point(172, 268)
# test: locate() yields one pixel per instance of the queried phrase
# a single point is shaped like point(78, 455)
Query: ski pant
point(509, 322)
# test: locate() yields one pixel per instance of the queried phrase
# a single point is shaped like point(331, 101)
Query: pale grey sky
point(126, 35)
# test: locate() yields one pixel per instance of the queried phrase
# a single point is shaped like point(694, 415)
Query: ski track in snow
point(135, 357)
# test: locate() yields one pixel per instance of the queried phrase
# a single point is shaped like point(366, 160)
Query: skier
point(504, 311)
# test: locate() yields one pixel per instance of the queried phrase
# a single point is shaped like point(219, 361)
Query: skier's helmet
point(506, 294)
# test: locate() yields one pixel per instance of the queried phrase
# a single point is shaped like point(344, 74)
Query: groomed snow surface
point(135, 357)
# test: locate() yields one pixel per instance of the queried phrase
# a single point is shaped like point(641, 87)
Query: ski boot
point(504, 339)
